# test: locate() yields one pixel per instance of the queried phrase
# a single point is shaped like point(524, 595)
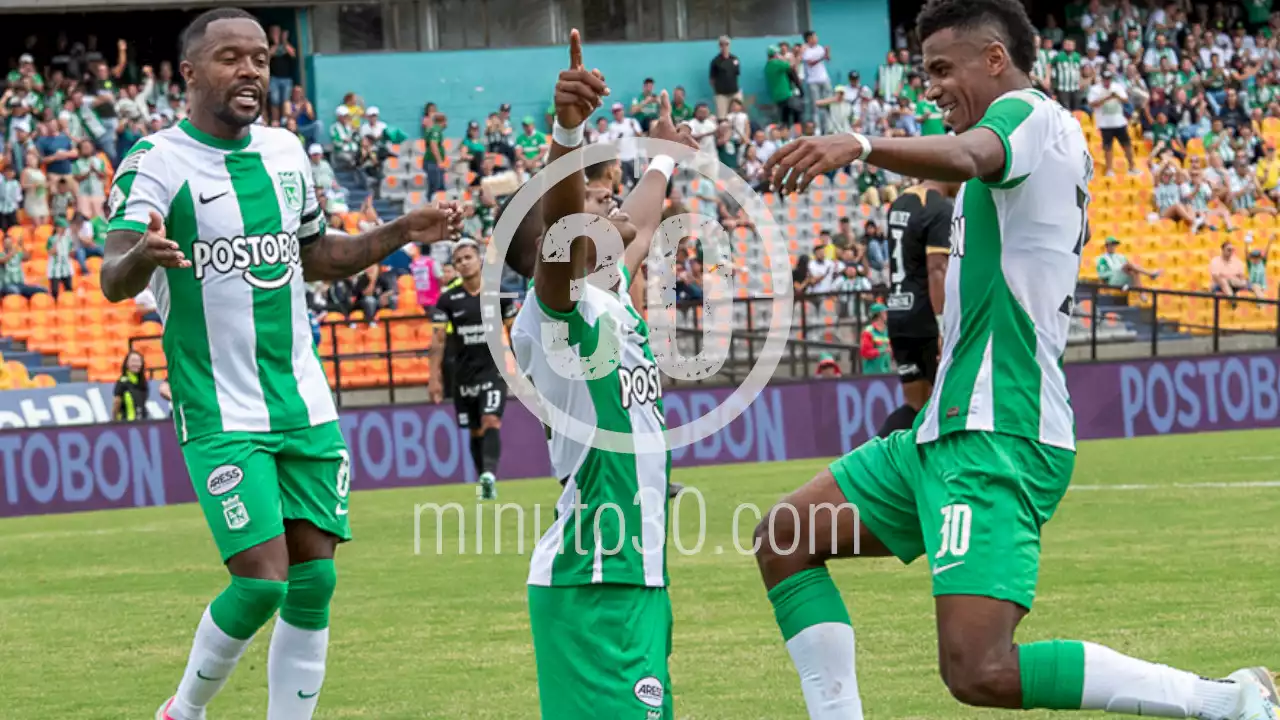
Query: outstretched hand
point(795, 165)
point(578, 91)
point(664, 128)
point(155, 246)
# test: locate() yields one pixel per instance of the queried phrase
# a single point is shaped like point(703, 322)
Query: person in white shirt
point(823, 271)
point(1107, 99)
point(739, 121)
point(703, 127)
point(869, 114)
point(839, 110)
point(623, 131)
point(817, 82)
point(372, 125)
point(764, 146)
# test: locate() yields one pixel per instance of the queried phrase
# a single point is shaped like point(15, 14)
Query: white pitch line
point(1186, 486)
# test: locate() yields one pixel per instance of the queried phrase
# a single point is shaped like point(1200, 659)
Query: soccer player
point(919, 247)
point(598, 604)
point(991, 455)
point(218, 216)
point(479, 392)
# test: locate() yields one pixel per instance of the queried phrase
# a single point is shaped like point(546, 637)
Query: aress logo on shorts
point(224, 479)
point(649, 691)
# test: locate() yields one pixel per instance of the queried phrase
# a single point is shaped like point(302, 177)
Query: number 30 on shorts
point(955, 531)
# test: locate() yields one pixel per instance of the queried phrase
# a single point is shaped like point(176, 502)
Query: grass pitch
point(97, 610)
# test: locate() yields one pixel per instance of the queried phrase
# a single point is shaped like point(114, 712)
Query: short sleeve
point(508, 308)
point(441, 312)
point(140, 186)
point(1024, 122)
point(938, 230)
point(311, 226)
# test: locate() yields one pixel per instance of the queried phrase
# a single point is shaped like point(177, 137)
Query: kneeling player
point(919, 245)
point(598, 603)
point(479, 392)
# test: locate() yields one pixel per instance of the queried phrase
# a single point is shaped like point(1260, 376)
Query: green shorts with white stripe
point(248, 483)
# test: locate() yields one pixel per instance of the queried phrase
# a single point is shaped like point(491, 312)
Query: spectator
point(725, 69)
point(471, 150)
point(1227, 275)
point(129, 401)
point(827, 366)
point(1167, 198)
point(644, 107)
point(783, 90)
point(433, 127)
point(1242, 189)
point(26, 72)
point(1164, 137)
point(1066, 76)
point(283, 57)
point(498, 136)
point(374, 290)
point(703, 128)
point(426, 279)
point(891, 78)
point(12, 281)
point(763, 145)
point(877, 358)
point(753, 168)
point(303, 113)
point(86, 242)
point(1269, 173)
point(727, 146)
point(368, 163)
point(1108, 99)
point(870, 116)
point(816, 80)
point(839, 111)
point(1115, 270)
point(877, 254)
point(601, 132)
point(533, 144)
point(346, 143)
point(373, 127)
point(62, 199)
point(60, 245)
point(689, 283)
point(801, 279)
point(35, 189)
point(824, 269)
point(1233, 113)
point(1258, 268)
point(90, 171)
point(680, 109)
point(1197, 193)
point(329, 193)
point(11, 198)
point(57, 151)
point(873, 188)
point(623, 131)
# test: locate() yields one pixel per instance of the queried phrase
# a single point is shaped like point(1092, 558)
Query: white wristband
point(938, 318)
point(864, 142)
point(570, 137)
point(663, 164)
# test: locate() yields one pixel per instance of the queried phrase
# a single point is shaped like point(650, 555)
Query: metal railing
point(831, 323)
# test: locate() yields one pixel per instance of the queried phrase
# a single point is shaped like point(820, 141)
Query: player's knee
point(490, 422)
point(311, 586)
point(248, 604)
point(777, 536)
point(981, 683)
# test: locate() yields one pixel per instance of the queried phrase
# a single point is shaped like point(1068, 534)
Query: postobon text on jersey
point(268, 261)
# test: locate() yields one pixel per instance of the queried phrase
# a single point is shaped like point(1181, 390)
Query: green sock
point(311, 587)
point(808, 598)
point(1052, 674)
point(246, 605)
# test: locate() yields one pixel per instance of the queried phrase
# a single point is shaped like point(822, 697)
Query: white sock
point(295, 671)
point(824, 656)
point(1121, 684)
point(214, 655)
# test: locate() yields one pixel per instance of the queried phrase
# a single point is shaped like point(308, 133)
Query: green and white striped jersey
point(1015, 259)
point(618, 532)
point(236, 332)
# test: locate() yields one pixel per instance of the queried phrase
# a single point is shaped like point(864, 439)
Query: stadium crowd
point(1189, 93)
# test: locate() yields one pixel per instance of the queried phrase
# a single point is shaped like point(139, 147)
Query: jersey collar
point(205, 138)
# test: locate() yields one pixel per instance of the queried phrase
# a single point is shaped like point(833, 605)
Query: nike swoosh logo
point(305, 696)
point(340, 510)
point(944, 568)
point(202, 676)
point(206, 200)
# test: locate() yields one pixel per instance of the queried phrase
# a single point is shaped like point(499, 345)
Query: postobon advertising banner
point(65, 469)
point(69, 404)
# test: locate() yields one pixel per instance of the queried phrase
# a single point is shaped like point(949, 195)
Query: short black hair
point(647, 80)
point(195, 31)
point(522, 253)
point(1009, 18)
point(596, 171)
point(808, 34)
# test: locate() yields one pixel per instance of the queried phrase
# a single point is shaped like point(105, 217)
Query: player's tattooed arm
point(335, 255)
point(976, 153)
point(131, 258)
point(578, 93)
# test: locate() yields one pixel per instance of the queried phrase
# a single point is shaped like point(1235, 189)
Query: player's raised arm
point(333, 256)
point(137, 242)
point(645, 203)
point(578, 94)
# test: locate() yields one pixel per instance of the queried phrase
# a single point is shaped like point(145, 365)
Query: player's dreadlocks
point(1007, 17)
point(195, 31)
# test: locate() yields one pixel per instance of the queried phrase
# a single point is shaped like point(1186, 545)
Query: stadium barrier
point(49, 470)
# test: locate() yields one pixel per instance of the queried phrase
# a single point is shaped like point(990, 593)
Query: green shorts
point(601, 651)
point(249, 483)
point(974, 501)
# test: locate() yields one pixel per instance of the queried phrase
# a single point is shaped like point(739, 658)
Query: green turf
point(97, 610)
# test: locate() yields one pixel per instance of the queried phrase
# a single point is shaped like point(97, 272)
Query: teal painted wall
point(469, 84)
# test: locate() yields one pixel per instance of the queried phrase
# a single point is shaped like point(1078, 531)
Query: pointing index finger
point(575, 49)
